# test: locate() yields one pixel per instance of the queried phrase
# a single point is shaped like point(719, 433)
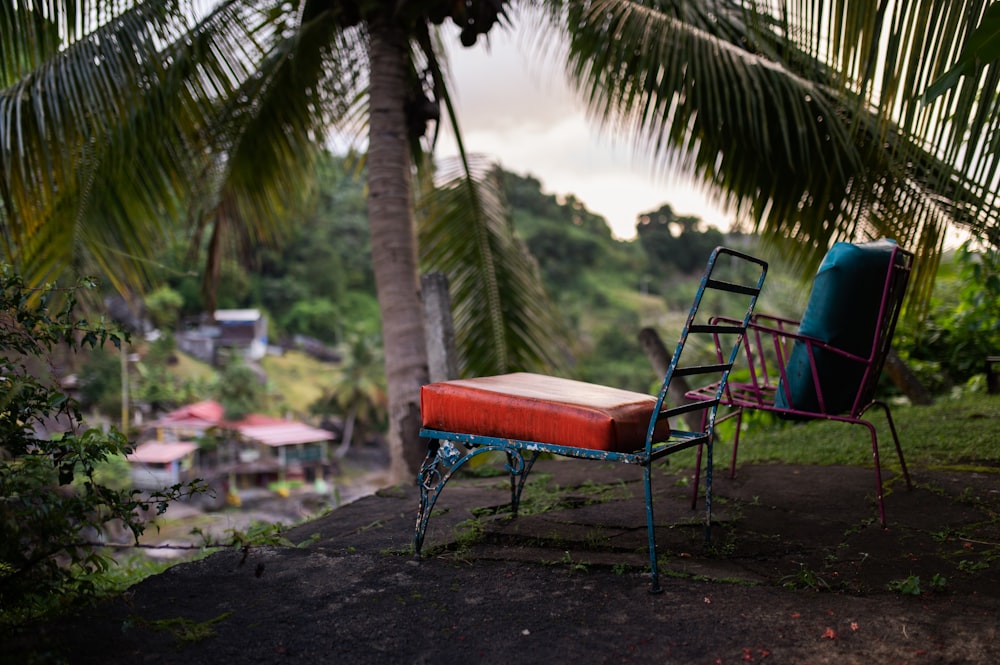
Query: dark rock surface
point(798, 571)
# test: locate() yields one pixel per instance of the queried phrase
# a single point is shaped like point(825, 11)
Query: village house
point(240, 331)
point(257, 451)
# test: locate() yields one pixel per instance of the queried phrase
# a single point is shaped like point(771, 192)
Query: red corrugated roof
point(284, 433)
point(205, 414)
point(264, 429)
point(156, 452)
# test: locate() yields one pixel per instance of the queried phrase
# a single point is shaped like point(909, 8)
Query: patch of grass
point(805, 578)
point(951, 432)
point(859, 527)
point(908, 587)
point(541, 494)
point(911, 586)
point(568, 561)
point(468, 533)
point(189, 368)
point(295, 380)
point(187, 631)
point(573, 565)
point(131, 570)
point(969, 566)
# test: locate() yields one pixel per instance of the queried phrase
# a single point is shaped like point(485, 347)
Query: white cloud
point(520, 111)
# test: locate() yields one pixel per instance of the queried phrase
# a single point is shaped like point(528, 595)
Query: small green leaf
point(981, 49)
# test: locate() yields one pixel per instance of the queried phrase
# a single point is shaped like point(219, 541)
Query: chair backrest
point(894, 291)
point(846, 330)
point(710, 341)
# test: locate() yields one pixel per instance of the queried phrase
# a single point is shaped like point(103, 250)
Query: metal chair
point(828, 365)
point(524, 415)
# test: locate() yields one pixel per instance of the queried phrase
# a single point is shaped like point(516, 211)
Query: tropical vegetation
point(625, 285)
point(805, 118)
point(54, 503)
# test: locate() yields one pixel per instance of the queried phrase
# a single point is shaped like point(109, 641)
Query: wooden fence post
point(660, 358)
point(439, 327)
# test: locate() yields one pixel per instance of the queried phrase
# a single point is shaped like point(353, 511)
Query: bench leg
point(443, 459)
point(654, 568)
point(519, 469)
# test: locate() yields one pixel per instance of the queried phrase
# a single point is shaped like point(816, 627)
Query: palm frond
point(67, 129)
point(504, 321)
point(269, 120)
point(149, 118)
point(803, 117)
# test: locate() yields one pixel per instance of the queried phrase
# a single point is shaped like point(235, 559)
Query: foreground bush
point(53, 512)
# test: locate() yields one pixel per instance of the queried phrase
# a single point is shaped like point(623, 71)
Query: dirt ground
point(798, 570)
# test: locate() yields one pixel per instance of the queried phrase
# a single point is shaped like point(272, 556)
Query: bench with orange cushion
point(541, 408)
point(524, 415)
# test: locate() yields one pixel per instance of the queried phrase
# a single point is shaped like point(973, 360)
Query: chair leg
point(697, 464)
point(654, 569)
point(736, 442)
point(738, 414)
point(697, 479)
point(708, 490)
point(878, 472)
point(875, 455)
point(895, 439)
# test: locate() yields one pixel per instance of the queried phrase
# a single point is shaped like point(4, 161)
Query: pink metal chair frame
point(767, 346)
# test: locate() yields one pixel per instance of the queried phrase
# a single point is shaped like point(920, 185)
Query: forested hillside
point(320, 285)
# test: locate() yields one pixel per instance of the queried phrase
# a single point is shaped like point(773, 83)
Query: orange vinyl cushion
point(546, 409)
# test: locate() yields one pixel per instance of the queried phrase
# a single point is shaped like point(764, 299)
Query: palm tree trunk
point(394, 246)
point(345, 443)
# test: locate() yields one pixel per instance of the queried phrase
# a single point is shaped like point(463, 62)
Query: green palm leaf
point(809, 139)
point(504, 321)
point(72, 142)
point(267, 122)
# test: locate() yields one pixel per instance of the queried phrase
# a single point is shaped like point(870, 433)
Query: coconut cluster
point(474, 17)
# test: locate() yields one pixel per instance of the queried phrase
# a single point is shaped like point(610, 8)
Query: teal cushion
point(842, 311)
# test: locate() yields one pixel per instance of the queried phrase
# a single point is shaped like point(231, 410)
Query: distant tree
point(674, 240)
point(239, 389)
point(358, 391)
point(328, 256)
point(161, 390)
point(563, 254)
point(319, 318)
point(163, 305)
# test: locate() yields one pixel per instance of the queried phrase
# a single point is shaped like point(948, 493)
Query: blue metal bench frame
point(449, 451)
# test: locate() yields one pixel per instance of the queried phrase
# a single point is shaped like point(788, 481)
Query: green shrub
point(950, 346)
point(54, 505)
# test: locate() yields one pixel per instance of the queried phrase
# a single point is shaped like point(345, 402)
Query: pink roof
point(263, 429)
point(206, 410)
point(205, 414)
point(155, 452)
point(255, 419)
point(284, 433)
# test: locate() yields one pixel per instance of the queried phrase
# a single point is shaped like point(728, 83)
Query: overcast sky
point(520, 112)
